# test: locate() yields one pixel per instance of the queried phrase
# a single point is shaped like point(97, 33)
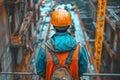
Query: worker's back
point(62, 52)
point(62, 45)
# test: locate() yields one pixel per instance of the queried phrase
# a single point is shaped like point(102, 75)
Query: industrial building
point(25, 25)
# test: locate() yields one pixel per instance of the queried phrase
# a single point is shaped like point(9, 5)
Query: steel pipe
point(101, 74)
point(85, 74)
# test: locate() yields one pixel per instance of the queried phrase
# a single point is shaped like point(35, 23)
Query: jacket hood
point(62, 42)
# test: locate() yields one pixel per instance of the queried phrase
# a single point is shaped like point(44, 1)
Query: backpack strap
point(69, 58)
point(52, 52)
point(55, 59)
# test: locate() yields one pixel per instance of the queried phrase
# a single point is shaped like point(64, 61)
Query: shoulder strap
point(52, 52)
point(69, 58)
point(55, 59)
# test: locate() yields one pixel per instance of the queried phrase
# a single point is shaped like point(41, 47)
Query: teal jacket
point(61, 42)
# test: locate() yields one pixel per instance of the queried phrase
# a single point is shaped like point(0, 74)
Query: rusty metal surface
point(1, 2)
point(26, 24)
point(4, 32)
point(111, 45)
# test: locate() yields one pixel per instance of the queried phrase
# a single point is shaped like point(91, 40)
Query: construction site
point(25, 25)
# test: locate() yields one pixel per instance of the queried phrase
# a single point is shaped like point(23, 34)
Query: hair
point(61, 29)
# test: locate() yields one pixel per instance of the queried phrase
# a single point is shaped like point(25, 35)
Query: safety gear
point(63, 59)
point(61, 18)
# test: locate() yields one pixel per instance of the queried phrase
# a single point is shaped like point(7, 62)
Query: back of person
point(61, 50)
point(67, 60)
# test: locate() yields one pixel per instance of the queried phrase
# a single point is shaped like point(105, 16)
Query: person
point(61, 43)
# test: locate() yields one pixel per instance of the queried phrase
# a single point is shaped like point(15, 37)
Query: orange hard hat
point(61, 18)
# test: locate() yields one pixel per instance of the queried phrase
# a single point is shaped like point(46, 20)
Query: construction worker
point(61, 50)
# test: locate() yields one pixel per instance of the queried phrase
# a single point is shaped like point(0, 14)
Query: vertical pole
point(101, 13)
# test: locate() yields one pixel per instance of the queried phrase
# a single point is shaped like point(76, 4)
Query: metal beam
point(85, 74)
point(100, 74)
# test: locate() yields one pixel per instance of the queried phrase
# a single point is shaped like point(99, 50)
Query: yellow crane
point(100, 23)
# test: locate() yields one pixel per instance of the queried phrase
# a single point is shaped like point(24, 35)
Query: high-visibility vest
point(73, 66)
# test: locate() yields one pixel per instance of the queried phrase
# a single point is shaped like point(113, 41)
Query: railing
point(34, 76)
point(18, 76)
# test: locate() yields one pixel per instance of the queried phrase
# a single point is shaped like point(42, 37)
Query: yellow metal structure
point(101, 13)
